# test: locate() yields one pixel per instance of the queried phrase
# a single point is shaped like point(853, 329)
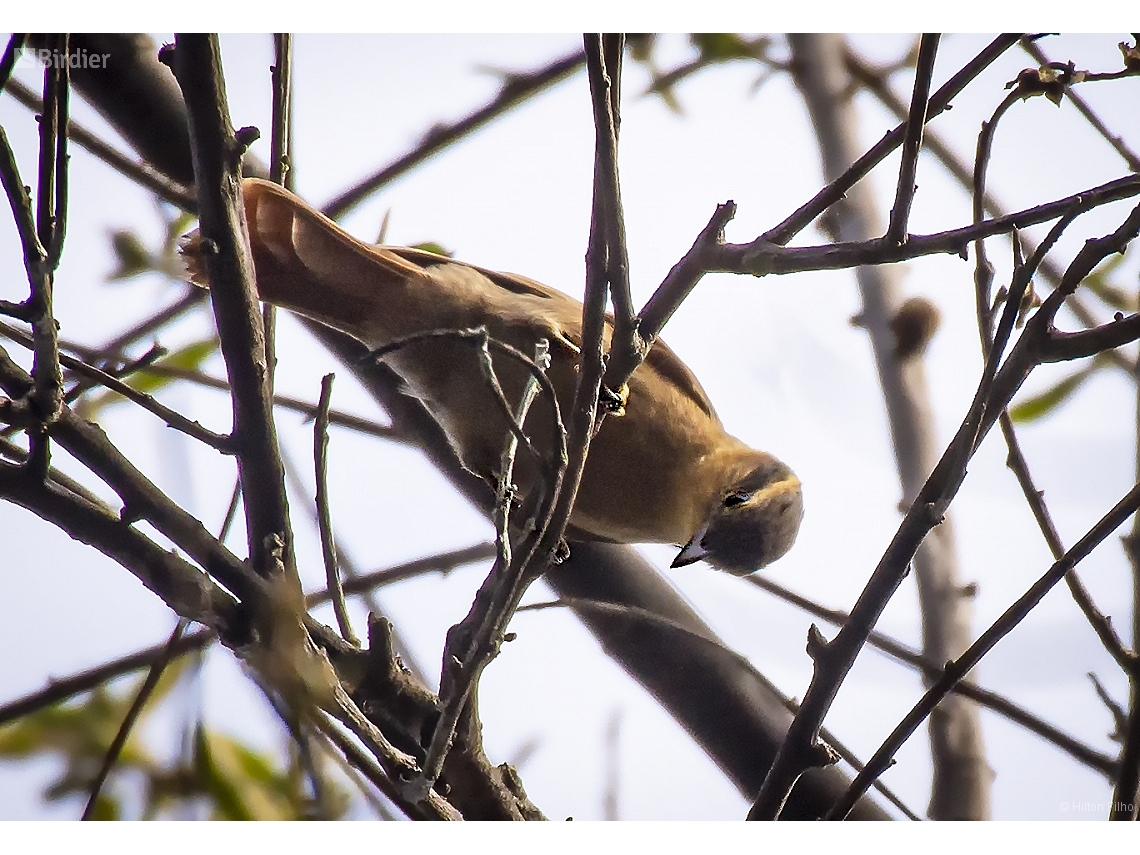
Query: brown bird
point(665, 471)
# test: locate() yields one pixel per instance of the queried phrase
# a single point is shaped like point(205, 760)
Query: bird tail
point(306, 262)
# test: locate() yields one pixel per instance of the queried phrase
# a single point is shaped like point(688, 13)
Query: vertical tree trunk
point(962, 778)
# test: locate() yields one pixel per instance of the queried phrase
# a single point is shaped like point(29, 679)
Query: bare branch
point(220, 442)
point(141, 697)
point(876, 83)
point(1009, 619)
point(142, 173)
point(324, 519)
point(912, 139)
point(1036, 500)
point(933, 670)
point(835, 191)
point(761, 259)
point(516, 89)
point(1031, 47)
point(217, 154)
point(281, 139)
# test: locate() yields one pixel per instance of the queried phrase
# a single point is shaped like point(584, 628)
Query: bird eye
point(737, 498)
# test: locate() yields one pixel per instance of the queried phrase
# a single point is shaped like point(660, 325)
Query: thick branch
point(217, 156)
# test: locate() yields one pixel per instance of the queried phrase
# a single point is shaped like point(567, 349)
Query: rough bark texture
point(962, 778)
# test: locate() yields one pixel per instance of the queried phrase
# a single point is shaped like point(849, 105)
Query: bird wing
point(661, 358)
point(327, 251)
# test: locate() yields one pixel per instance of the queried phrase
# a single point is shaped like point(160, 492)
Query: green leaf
point(226, 797)
point(1037, 406)
point(245, 784)
point(131, 255)
point(107, 808)
point(235, 780)
point(719, 47)
point(434, 248)
point(188, 358)
point(176, 229)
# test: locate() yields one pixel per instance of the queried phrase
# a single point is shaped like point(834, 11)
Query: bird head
point(750, 523)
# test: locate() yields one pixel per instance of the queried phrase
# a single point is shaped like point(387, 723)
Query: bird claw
point(561, 552)
point(614, 402)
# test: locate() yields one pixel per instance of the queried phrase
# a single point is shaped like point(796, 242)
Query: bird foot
point(614, 402)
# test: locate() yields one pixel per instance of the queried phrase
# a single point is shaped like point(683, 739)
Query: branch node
point(166, 55)
point(246, 137)
point(816, 643)
point(821, 755)
point(131, 513)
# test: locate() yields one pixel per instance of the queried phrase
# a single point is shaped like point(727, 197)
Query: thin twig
point(14, 453)
point(761, 258)
point(281, 141)
point(280, 164)
point(337, 418)
point(517, 88)
point(140, 172)
point(53, 185)
point(220, 442)
point(1101, 624)
point(116, 346)
point(1031, 47)
point(443, 563)
point(678, 283)
point(958, 669)
point(874, 80)
point(81, 387)
point(912, 139)
point(366, 788)
point(933, 670)
point(217, 153)
point(65, 688)
point(605, 56)
point(141, 697)
point(22, 212)
point(307, 500)
point(11, 54)
point(1119, 716)
point(983, 275)
point(480, 339)
point(324, 518)
point(645, 616)
point(835, 191)
point(374, 773)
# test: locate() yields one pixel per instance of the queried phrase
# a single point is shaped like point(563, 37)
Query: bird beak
point(693, 550)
